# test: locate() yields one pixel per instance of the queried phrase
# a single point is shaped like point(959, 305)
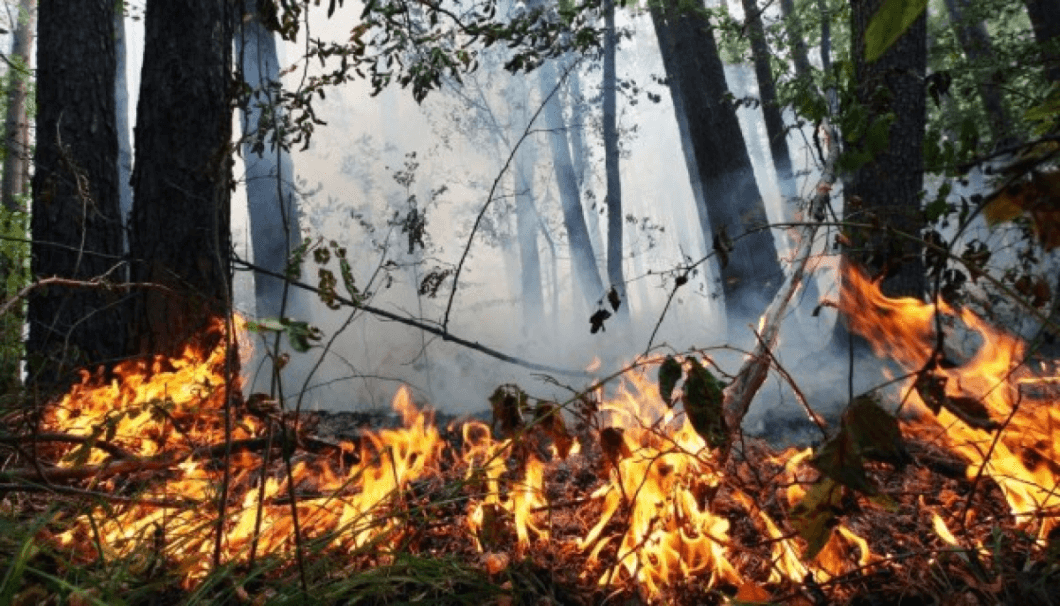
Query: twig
point(112, 449)
point(441, 332)
point(97, 282)
point(92, 494)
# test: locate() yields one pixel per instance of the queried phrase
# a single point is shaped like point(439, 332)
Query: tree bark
point(975, 42)
point(586, 273)
point(180, 225)
point(16, 124)
point(273, 207)
point(613, 199)
point(796, 39)
point(75, 217)
point(767, 92)
point(728, 199)
point(121, 99)
point(1045, 20)
point(886, 190)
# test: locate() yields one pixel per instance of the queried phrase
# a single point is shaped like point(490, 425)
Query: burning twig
point(738, 395)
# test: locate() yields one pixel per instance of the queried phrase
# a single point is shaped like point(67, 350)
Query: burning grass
point(145, 487)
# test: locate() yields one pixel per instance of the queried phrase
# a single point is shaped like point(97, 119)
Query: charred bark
point(75, 217)
point(180, 224)
point(729, 202)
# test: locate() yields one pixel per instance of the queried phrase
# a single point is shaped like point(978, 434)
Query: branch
point(97, 282)
point(441, 332)
point(739, 393)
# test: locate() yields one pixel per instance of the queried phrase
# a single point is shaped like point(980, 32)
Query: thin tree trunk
point(121, 99)
point(16, 124)
point(272, 205)
point(767, 92)
point(611, 161)
point(583, 260)
point(181, 233)
point(975, 42)
point(76, 221)
point(796, 39)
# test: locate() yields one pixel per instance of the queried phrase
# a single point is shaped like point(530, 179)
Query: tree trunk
point(796, 39)
point(75, 218)
point(729, 199)
point(181, 234)
point(121, 99)
point(975, 42)
point(767, 92)
point(273, 208)
point(613, 199)
point(1045, 19)
point(886, 190)
point(16, 124)
point(586, 273)
point(527, 228)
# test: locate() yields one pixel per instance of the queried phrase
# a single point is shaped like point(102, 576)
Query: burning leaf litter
point(626, 499)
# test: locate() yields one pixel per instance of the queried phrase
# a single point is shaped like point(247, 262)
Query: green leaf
point(816, 514)
point(888, 24)
point(669, 373)
point(703, 404)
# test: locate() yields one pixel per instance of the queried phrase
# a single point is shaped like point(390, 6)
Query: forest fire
point(629, 497)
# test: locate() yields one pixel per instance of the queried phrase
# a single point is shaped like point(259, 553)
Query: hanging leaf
point(816, 514)
point(888, 24)
point(596, 320)
point(614, 299)
point(723, 246)
point(669, 373)
point(703, 400)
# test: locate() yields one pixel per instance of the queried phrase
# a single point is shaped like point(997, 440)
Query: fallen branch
point(112, 449)
point(753, 372)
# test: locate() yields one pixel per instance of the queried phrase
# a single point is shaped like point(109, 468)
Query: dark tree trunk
point(767, 92)
point(1045, 19)
point(975, 42)
point(75, 218)
point(180, 235)
point(729, 199)
point(886, 190)
point(611, 161)
point(583, 260)
point(271, 201)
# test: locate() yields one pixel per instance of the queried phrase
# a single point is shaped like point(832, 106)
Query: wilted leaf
point(875, 432)
point(888, 24)
point(932, 390)
point(703, 404)
point(669, 373)
point(816, 514)
point(507, 402)
point(613, 445)
point(596, 320)
point(549, 417)
point(840, 460)
point(614, 299)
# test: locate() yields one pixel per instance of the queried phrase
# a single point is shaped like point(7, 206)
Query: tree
point(273, 208)
point(796, 39)
point(1045, 20)
point(16, 125)
point(180, 237)
point(76, 221)
point(975, 42)
point(885, 190)
point(613, 199)
point(121, 101)
point(731, 210)
point(587, 275)
point(767, 92)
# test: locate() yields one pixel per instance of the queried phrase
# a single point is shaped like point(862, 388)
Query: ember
point(628, 498)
